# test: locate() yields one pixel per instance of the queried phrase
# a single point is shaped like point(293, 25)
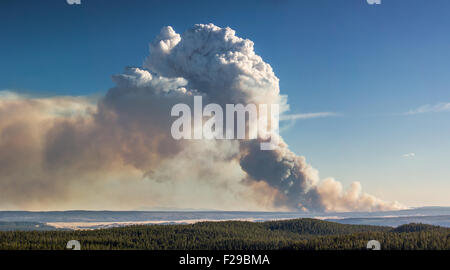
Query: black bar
point(255, 259)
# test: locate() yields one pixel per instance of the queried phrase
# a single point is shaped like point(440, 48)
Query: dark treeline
point(301, 234)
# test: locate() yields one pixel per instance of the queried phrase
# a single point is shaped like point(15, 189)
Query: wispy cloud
point(300, 116)
point(409, 155)
point(440, 107)
point(8, 95)
point(291, 119)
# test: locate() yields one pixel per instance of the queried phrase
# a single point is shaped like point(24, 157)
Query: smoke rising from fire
point(117, 153)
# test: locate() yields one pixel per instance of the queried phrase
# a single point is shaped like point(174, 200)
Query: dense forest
point(298, 234)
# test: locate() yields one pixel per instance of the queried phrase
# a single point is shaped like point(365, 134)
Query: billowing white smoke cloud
point(216, 63)
point(119, 154)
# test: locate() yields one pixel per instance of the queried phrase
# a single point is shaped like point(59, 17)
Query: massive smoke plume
point(117, 152)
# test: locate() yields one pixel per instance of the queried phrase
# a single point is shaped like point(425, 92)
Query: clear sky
point(370, 64)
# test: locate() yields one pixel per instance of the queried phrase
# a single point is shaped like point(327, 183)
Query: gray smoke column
point(226, 69)
point(117, 152)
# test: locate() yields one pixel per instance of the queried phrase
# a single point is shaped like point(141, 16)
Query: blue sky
point(369, 63)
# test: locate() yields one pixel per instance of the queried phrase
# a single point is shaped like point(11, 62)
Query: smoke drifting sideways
point(116, 152)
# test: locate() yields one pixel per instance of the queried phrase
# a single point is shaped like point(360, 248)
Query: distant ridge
point(427, 215)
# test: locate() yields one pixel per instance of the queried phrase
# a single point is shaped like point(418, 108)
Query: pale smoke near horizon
point(68, 152)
